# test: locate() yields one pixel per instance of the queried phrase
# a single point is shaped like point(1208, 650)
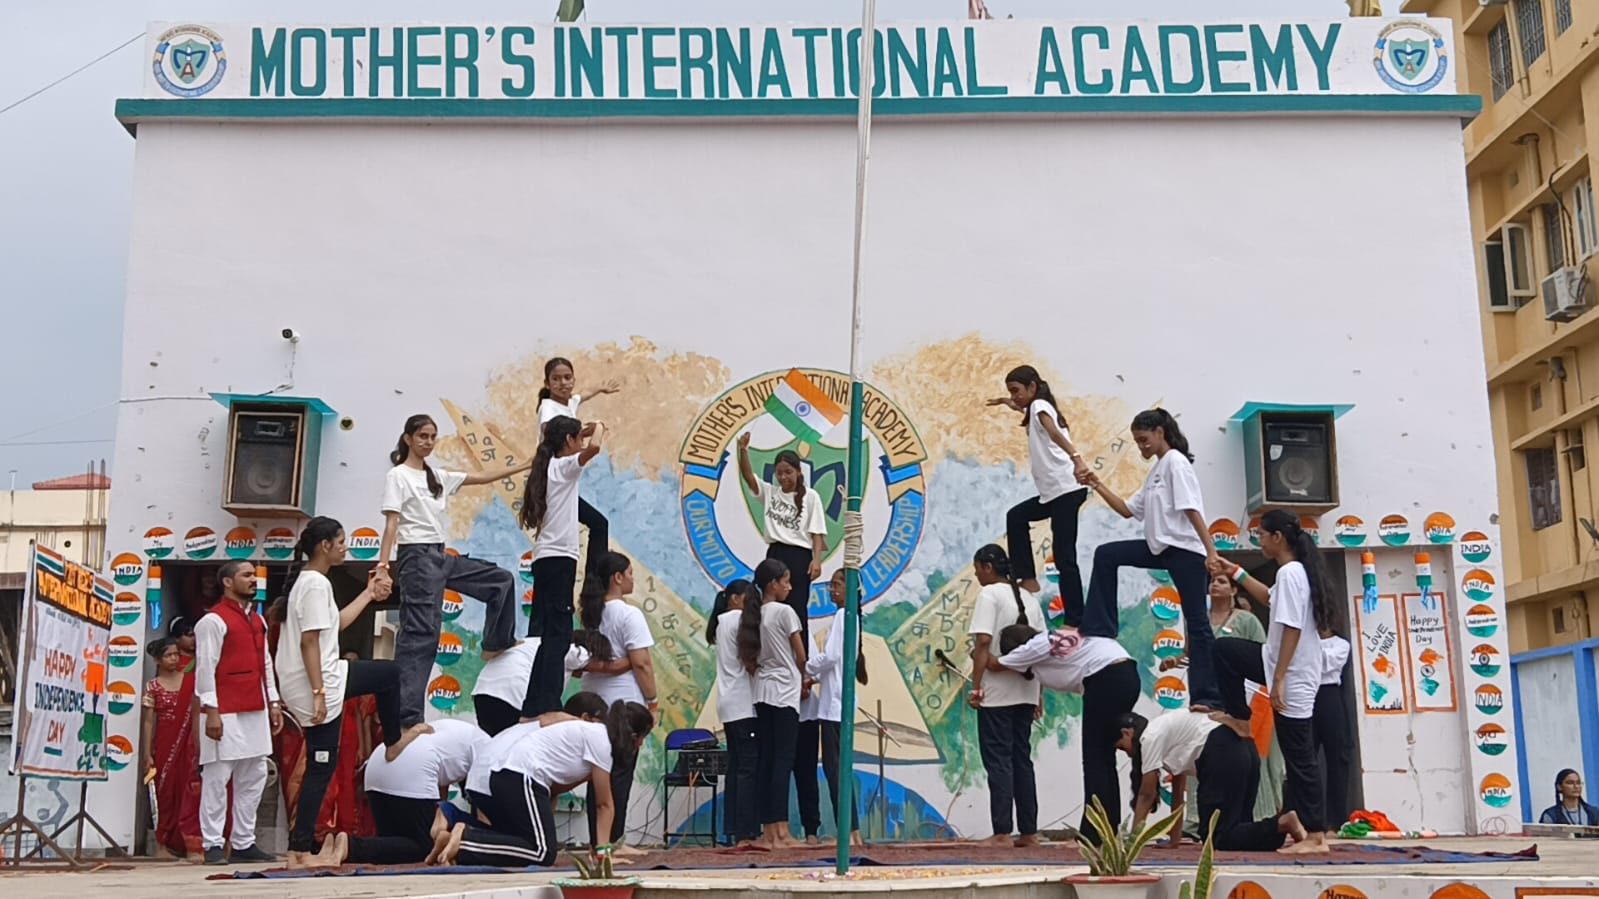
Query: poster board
point(1429, 655)
point(68, 615)
point(1378, 640)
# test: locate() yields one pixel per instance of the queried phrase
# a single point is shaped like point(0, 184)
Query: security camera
point(291, 335)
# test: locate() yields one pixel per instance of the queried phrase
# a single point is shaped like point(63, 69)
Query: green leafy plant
point(1118, 850)
point(1204, 878)
point(594, 868)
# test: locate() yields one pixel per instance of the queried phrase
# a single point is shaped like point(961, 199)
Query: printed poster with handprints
point(1427, 649)
point(1378, 641)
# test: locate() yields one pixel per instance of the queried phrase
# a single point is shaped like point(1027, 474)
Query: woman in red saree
point(171, 753)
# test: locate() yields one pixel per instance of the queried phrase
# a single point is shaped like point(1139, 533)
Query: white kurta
point(244, 734)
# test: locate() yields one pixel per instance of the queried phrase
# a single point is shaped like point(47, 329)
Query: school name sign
point(786, 62)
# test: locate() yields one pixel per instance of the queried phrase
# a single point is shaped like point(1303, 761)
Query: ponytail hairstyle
point(724, 602)
point(749, 621)
point(535, 498)
point(586, 705)
point(626, 723)
point(1282, 522)
point(591, 601)
point(1028, 376)
point(595, 643)
point(1152, 419)
point(791, 458)
point(549, 369)
point(402, 451)
point(994, 556)
point(1015, 635)
point(1136, 723)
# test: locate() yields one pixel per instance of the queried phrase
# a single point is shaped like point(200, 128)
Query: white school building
point(1259, 225)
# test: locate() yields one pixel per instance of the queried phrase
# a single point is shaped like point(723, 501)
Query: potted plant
point(1205, 877)
point(1110, 864)
point(596, 879)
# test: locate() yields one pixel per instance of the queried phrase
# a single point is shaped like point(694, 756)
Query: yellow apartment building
point(1530, 170)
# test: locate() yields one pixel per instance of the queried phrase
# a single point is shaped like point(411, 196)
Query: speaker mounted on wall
point(272, 460)
point(1291, 461)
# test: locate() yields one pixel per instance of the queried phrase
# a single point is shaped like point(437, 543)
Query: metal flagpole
point(853, 530)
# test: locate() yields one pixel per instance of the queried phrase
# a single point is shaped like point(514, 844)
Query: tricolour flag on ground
point(803, 408)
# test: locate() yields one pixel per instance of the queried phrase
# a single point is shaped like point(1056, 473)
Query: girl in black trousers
point(772, 650)
point(1333, 740)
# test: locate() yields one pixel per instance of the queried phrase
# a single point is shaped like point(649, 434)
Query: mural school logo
point(1491, 739)
point(278, 544)
point(1409, 56)
point(1496, 790)
point(444, 692)
point(158, 543)
point(798, 411)
point(1171, 692)
point(1349, 531)
point(127, 569)
point(1475, 548)
point(239, 543)
point(189, 61)
point(364, 544)
point(1489, 699)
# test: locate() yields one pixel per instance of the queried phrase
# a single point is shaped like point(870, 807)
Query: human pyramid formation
point(779, 701)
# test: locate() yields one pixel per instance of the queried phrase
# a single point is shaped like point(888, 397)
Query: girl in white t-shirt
point(549, 509)
point(501, 684)
point(772, 649)
point(1176, 540)
point(1289, 663)
point(735, 706)
point(314, 680)
point(1060, 475)
point(558, 396)
point(629, 674)
point(550, 761)
point(414, 496)
point(1095, 668)
point(822, 716)
point(1007, 704)
point(1334, 743)
point(795, 524)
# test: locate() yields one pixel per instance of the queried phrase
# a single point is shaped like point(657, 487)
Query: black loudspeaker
point(267, 469)
point(1299, 463)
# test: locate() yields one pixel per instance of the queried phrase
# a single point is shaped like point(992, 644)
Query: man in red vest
point(239, 704)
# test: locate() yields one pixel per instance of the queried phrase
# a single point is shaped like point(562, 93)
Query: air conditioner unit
point(1566, 294)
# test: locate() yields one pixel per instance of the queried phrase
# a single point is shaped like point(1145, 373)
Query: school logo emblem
point(364, 543)
point(121, 697)
point(125, 609)
point(449, 651)
point(1475, 548)
point(452, 605)
point(1394, 530)
point(1485, 660)
point(1496, 790)
point(444, 692)
point(1482, 621)
point(158, 543)
point(801, 411)
point(1410, 56)
point(239, 543)
point(1171, 692)
point(127, 569)
point(278, 544)
point(118, 752)
point(200, 543)
point(189, 61)
point(1166, 604)
point(1478, 584)
point(1168, 644)
point(1224, 533)
point(1439, 528)
point(1489, 699)
point(1491, 739)
point(1349, 531)
point(123, 651)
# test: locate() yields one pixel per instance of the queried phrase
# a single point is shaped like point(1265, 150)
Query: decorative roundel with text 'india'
point(803, 412)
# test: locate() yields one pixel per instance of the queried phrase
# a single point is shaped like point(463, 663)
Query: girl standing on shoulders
point(772, 648)
point(630, 677)
point(1061, 478)
point(171, 755)
point(314, 680)
point(1007, 704)
point(558, 397)
point(1176, 540)
point(1290, 661)
point(796, 526)
point(735, 706)
point(549, 509)
point(414, 496)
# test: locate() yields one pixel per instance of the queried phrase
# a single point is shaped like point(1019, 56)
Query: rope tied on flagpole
point(854, 540)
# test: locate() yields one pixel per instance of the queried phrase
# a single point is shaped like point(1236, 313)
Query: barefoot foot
point(1289, 824)
point(1314, 844)
point(452, 848)
point(440, 840)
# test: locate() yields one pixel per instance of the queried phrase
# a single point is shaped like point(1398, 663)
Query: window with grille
point(1575, 457)
point(1562, 16)
point(1582, 210)
point(1555, 235)
point(1529, 27)
point(1500, 65)
point(1543, 488)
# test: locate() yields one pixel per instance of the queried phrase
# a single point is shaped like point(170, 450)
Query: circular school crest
point(803, 410)
point(1410, 56)
point(189, 61)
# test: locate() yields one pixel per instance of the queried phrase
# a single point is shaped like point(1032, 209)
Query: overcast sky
point(66, 169)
